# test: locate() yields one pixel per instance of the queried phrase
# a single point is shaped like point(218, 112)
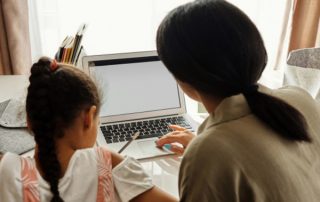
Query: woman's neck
point(209, 102)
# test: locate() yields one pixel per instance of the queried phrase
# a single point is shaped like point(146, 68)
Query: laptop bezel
point(86, 60)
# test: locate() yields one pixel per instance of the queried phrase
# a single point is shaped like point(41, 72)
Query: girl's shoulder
point(94, 154)
point(9, 158)
point(10, 165)
point(90, 157)
point(10, 170)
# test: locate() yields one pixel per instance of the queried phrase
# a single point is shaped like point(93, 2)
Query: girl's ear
point(90, 116)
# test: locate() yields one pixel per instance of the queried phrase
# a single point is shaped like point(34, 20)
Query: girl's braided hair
point(56, 96)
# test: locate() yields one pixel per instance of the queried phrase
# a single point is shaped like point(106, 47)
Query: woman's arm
point(155, 195)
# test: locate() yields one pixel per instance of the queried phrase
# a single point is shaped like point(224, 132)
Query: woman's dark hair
point(216, 48)
point(56, 96)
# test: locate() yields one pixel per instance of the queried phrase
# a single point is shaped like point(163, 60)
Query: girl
point(62, 112)
point(257, 144)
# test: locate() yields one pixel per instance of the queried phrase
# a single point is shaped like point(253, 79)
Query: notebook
point(139, 95)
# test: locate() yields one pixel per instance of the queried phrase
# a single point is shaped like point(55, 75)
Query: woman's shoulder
point(293, 91)
point(287, 92)
point(298, 98)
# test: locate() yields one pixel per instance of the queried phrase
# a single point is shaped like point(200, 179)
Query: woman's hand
point(179, 135)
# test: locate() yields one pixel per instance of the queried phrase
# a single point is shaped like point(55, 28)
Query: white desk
point(164, 170)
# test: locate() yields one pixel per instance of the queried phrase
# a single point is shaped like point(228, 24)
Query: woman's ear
point(90, 116)
point(189, 90)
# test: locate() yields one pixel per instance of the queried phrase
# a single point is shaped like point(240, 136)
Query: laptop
point(139, 95)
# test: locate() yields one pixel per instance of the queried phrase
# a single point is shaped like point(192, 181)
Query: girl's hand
point(179, 135)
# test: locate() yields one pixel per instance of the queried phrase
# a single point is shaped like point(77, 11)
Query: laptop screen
point(135, 85)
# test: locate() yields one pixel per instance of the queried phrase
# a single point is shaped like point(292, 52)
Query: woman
point(257, 144)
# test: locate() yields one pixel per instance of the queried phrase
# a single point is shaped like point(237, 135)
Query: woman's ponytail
point(287, 121)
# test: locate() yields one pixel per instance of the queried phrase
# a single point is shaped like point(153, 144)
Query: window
point(130, 25)
point(113, 25)
point(272, 18)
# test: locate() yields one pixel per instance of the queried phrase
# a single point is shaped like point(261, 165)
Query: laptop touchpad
point(149, 147)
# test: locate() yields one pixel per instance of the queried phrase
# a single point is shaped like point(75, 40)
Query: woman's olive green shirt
point(237, 157)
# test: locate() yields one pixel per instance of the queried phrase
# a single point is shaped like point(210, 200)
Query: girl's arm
point(116, 159)
point(155, 195)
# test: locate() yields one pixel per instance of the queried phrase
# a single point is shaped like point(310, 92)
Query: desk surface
point(164, 170)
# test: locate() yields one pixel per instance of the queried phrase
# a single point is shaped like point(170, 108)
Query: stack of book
point(70, 50)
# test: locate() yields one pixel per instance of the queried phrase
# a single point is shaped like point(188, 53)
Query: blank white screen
point(136, 87)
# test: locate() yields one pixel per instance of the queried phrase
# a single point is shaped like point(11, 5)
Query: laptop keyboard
point(150, 128)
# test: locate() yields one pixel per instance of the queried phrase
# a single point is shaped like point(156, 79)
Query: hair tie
point(250, 89)
point(53, 65)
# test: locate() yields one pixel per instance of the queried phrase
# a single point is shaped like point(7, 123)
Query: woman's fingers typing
point(171, 138)
point(177, 128)
point(179, 135)
point(177, 149)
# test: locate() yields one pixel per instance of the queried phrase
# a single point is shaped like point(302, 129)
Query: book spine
point(76, 47)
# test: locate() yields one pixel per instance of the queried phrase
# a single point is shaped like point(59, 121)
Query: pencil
point(135, 136)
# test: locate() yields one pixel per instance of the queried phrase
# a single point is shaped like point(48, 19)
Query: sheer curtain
point(273, 19)
point(126, 25)
point(113, 25)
